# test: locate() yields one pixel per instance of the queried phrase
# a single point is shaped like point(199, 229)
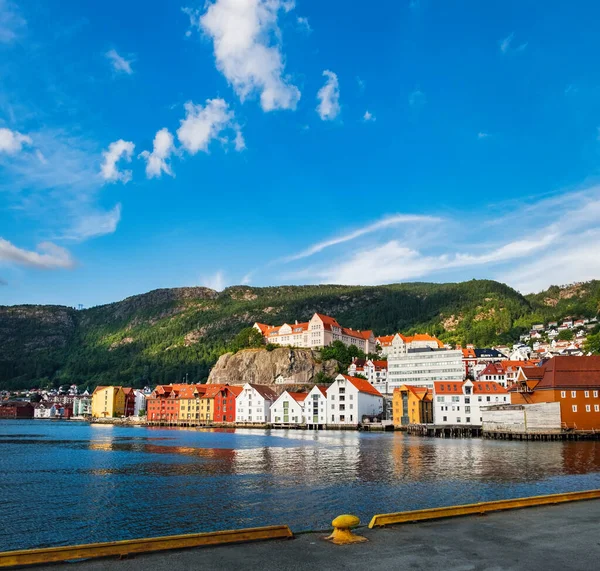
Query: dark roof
point(488, 354)
point(571, 372)
point(264, 391)
point(533, 373)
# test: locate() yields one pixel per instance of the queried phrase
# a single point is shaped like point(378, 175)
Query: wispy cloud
point(303, 24)
point(119, 64)
point(386, 222)
point(216, 281)
point(482, 135)
point(368, 116)
point(562, 245)
point(417, 99)
point(506, 44)
point(12, 24)
point(94, 224)
point(117, 151)
point(248, 48)
point(329, 97)
point(48, 256)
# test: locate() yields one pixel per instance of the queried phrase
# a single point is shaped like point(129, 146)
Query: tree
point(247, 338)
point(565, 335)
point(592, 344)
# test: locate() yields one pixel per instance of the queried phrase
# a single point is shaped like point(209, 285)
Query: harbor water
point(63, 483)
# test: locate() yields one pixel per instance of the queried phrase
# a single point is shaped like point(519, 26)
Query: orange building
point(163, 404)
point(412, 405)
point(574, 382)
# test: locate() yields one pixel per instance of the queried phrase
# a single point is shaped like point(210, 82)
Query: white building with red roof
point(315, 407)
point(460, 403)
point(320, 331)
point(253, 404)
point(350, 399)
point(374, 371)
point(288, 409)
point(399, 344)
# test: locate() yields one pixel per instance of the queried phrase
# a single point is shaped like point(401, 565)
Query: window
point(458, 419)
point(332, 397)
point(488, 399)
point(587, 394)
point(468, 419)
point(574, 408)
point(573, 394)
point(440, 399)
point(332, 407)
point(351, 406)
point(479, 399)
point(467, 409)
point(595, 394)
point(588, 408)
point(563, 394)
point(596, 407)
point(445, 418)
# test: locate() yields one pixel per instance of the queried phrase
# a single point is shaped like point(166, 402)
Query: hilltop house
point(253, 404)
point(320, 331)
point(400, 344)
point(374, 371)
point(350, 399)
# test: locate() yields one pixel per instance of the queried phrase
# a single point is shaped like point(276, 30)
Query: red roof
point(380, 364)
point(533, 373)
point(571, 372)
point(488, 387)
point(362, 385)
point(298, 397)
point(385, 341)
point(448, 387)
point(492, 369)
point(322, 389)
point(236, 390)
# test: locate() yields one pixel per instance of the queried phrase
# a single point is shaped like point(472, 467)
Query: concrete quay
point(561, 537)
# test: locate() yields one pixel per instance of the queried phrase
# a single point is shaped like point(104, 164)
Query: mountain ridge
point(173, 333)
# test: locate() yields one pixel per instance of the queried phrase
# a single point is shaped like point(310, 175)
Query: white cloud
point(386, 222)
point(416, 99)
point(482, 135)
point(247, 48)
point(361, 84)
point(303, 24)
point(157, 160)
point(216, 281)
point(116, 151)
point(48, 256)
point(12, 142)
point(203, 124)
point(368, 116)
point(93, 225)
point(506, 44)
point(11, 22)
point(119, 63)
point(329, 97)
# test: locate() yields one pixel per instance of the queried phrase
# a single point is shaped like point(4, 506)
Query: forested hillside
point(164, 335)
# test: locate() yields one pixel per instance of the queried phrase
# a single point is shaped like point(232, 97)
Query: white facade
point(320, 331)
point(288, 409)
point(140, 402)
point(315, 406)
point(253, 404)
point(399, 344)
point(460, 403)
point(421, 368)
point(349, 399)
point(82, 406)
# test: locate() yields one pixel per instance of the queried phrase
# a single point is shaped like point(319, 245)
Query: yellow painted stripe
point(482, 507)
point(131, 546)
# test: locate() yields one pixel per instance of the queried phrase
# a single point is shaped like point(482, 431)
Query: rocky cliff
point(299, 366)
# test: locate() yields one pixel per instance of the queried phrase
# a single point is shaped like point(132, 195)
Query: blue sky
point(160, 144)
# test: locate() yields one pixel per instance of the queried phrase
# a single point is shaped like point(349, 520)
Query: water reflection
point(121, 482)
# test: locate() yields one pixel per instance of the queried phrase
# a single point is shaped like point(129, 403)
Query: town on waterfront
point(540, 388)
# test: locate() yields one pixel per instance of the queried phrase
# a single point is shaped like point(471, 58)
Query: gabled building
point(108, 402)
point(253, 404)
point(574, 382)
point(412, 405)
point(163, 403)
point(225, 403)
point(288, 409)
point(321, 331)
point(315, 407)
point(399, 344)
point(190, 406)
point(350, 399)
point(461, 403)
point(373, 370)
point(16, 409)
point(476, 360)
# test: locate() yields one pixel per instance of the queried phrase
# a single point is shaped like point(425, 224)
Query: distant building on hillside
point(399, 344)
point(320, 331)
point(422, 367)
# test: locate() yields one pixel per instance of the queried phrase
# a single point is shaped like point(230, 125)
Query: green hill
point(164, 335)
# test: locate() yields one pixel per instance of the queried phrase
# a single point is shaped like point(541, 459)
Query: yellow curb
point(381, 520)
point(148, 545)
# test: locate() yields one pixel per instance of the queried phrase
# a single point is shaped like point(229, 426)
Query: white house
point(460, 403)
point(399, 344)
point(374, 371)
point(82, 406)
point(253, 404)
point(349, 399)
point(315, 407)
point(139, 403)
point(320, 331)
point(288, 408)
